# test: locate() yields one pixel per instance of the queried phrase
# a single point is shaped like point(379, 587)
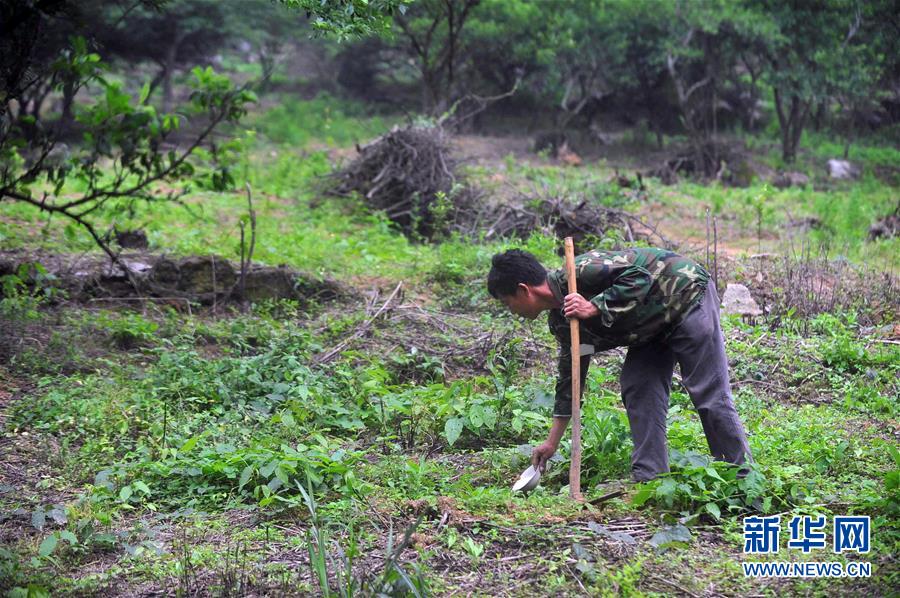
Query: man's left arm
point(629, 288)
point(630, 284)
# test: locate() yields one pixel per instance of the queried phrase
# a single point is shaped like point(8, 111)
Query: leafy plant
point(841, 350)
point(606, 444)
point(467, 409)
point(888, 502)
point(698, 486)
point(121, 130)
point(57, 513)
point(22, 293)
point(129, 330)
point(760, 205)
point(474, 549)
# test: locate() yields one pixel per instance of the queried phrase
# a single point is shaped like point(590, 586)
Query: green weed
point(699, 486)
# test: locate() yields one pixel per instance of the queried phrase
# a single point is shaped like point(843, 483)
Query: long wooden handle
point(575, 465)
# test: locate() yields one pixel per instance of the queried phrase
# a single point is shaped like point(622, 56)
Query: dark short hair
point(510, 268)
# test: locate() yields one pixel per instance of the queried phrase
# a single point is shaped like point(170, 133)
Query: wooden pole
point(575, 465)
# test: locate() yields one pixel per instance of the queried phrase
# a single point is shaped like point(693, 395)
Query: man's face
point(523, 303)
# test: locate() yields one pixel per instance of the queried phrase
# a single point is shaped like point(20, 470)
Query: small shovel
point(528, 481)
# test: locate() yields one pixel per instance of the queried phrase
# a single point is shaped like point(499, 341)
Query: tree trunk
point(451, 49)
point(749, 113)
point(68, 100)
point(37, 101)
point(169, 63)
point(430, 90)
point(694, 115)
point(154, 83)
point(819, 115)
point(791, 124)
point(167, 87)
point(848, 136)
point(268, 52)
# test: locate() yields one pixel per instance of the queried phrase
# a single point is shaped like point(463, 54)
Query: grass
point(238, 433)
point(174, 452)
point(763, 219)
point(322, 120)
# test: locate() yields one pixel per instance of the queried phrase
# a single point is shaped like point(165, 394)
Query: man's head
point(514, 279)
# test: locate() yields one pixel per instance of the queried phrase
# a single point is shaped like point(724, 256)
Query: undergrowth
point(162, 420)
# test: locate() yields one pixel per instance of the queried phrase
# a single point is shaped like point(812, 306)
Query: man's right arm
point(544, 451)
point(562, 407)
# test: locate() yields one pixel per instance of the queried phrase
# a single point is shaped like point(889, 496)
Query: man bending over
point(661, 306)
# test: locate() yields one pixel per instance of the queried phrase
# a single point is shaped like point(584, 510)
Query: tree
point(350, 18)
point(864, 65)
point(703, 49)
point(121, 157)
point(266, 27)
point(507, 40)
point(191, 32)
point(32, 37)
point(609, 51)
point(551, 45)
point(809, 57)
point(433, 30)
point(605, 48)
point(123, 154)
point(186, 32)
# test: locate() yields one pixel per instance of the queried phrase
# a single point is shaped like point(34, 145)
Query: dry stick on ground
point(516, 219)
point(245, 263)
point(716, 253)
point(326, 357)
point(403, 173)
point(707, 241)
point(672, 585)
point(575, 577)
point(213, 259)
point(628, 233)
point(652, 228)
point(450, 118)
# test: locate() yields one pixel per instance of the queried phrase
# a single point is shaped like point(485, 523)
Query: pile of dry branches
point(711, 162)
point(410, 175)
point(563, 218)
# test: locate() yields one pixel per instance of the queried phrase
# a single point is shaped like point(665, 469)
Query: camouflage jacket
point(642, 294)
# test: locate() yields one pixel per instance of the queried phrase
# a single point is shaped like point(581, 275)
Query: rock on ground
point(790, 179)
point(842, 170)
point(737, 300)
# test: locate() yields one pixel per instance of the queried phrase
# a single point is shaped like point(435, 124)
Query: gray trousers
point(697, 344)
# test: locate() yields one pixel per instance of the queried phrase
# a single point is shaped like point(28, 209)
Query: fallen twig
point(326, 357)
point(672, 584)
